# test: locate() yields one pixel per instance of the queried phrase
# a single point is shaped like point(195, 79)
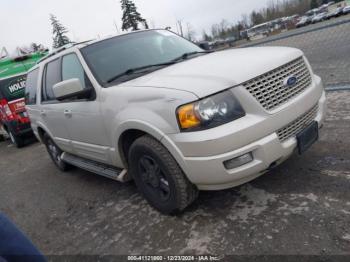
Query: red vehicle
point(13, 116)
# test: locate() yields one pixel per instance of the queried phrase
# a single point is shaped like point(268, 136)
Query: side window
point(52, 77)
point(72, 68)
point(31, 87)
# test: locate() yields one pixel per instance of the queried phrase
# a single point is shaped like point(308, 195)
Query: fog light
point(238, 161)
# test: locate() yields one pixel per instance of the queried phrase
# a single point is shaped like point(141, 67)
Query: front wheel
point(158, 176)
point(55, 153)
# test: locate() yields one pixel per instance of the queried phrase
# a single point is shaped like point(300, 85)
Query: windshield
point(114, 56)
point(12, 88)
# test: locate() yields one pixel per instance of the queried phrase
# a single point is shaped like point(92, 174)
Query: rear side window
point(31, 87)
point(52, 77)
point(72, 68)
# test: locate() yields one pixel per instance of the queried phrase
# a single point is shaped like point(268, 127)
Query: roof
point(11, 67)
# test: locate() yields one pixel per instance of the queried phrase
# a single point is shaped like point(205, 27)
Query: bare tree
point(180, 28)
point(206, 37)
point(190, 32)
point(245, 21)
point(223, 29)
point(277, 9)
point(215, 31)
point(274, 9)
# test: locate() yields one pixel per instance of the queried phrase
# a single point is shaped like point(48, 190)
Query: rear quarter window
point(31, 87)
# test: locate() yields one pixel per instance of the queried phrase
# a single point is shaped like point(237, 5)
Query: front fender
point(128, 121)
point(147, 109)
point(154, 132)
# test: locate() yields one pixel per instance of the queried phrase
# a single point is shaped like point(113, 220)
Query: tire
point(16, 140)
point(159, 178)
point(55, 153)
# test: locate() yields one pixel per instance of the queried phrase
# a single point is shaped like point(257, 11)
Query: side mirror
point(69, 89)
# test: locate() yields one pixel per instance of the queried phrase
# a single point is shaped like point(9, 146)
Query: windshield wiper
point(187, 55)
point(174, 61)
point(131, 71)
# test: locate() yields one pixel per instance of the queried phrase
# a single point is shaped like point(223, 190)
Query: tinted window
point(12, 88)
point(31, 87)
point(114, 56)
point(72, 68)
point(52, 77)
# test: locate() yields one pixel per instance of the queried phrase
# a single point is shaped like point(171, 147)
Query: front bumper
point(197, 153)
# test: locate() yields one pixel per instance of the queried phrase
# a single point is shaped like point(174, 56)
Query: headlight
point(209, 112)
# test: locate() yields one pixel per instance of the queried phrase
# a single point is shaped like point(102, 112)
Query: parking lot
point(325, 44)
point(301, 207)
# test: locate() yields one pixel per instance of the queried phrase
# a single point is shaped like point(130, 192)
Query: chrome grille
point(295, 127)
point(269, 89)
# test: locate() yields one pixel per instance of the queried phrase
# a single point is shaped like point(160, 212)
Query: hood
point(211, 73)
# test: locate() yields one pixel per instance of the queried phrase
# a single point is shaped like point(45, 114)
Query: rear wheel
point(16, 140)
point(55, 153)
point(158, 176)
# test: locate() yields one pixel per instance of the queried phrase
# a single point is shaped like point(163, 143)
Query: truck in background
point(13, 116)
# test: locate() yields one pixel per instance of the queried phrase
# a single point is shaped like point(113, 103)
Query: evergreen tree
point(59, 33)
point(131, 18)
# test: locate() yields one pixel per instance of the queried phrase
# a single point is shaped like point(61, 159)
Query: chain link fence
point(326, 45)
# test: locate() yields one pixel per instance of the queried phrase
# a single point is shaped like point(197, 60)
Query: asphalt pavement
point(301, 207)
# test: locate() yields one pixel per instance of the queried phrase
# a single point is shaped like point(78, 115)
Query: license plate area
point(307, 137)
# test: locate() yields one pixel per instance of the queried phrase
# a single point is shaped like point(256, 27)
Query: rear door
point(31, 98)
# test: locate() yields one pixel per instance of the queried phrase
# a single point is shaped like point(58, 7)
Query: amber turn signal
point(187, 117)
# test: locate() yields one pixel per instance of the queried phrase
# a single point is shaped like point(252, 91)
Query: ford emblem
point(290, 81)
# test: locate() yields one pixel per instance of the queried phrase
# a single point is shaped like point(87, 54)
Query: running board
point(96, 167)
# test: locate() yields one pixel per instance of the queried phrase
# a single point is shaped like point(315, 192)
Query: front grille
point(270, 90)
point(292, 129)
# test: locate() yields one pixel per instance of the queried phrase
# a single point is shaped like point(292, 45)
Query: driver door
point(82, 116)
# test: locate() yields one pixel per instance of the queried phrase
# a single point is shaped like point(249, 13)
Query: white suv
point(153, 107)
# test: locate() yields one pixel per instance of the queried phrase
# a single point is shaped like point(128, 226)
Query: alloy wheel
point(154, 178)
point(54, 152)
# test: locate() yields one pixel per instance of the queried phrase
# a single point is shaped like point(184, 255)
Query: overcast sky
point(26, 21)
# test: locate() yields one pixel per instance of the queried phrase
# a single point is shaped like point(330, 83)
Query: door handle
point(68, 113)
point(42, 113)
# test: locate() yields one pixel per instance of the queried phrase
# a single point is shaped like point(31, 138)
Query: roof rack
point(60, 49)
